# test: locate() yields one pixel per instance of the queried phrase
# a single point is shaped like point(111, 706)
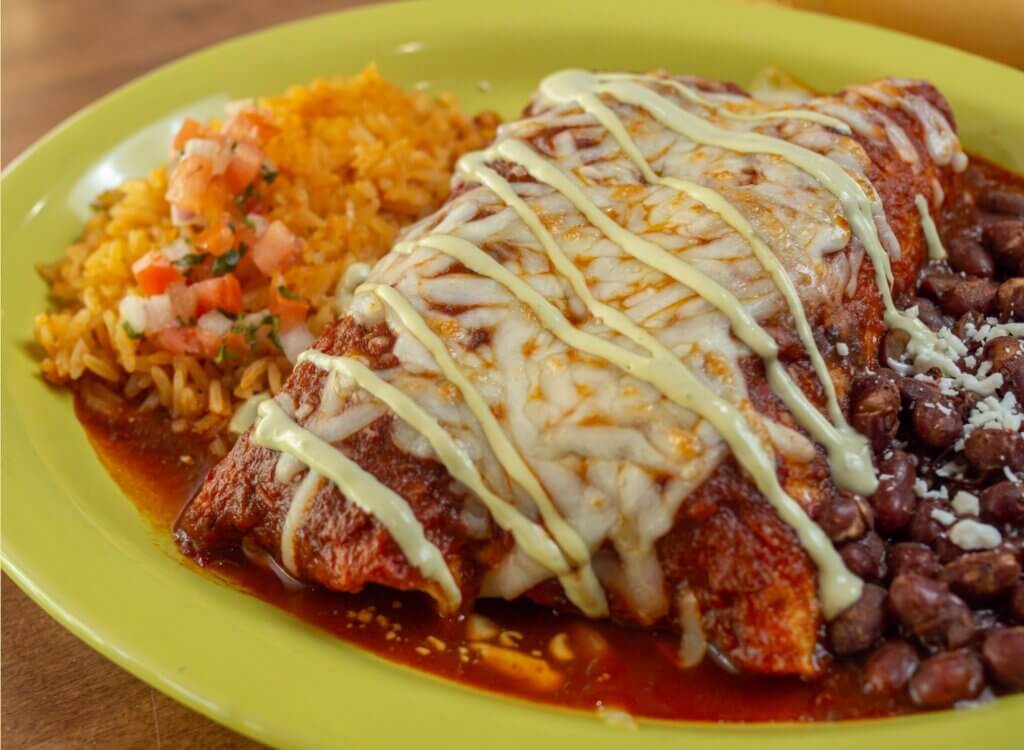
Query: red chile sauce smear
point(637, 673)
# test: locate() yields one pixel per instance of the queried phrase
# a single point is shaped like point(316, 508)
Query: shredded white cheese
point(971, 535)
point(966, 504)
point(922, 490)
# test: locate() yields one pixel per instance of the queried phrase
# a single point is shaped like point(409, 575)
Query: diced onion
point(181, 217)
point(295, 341)
point(143, 263)
point(176, 250)
point(259, 223)
point(183, 300)
point(215, 322)
point(209, 149)
point(133, 312)
point(237, 106)
point(159, 313)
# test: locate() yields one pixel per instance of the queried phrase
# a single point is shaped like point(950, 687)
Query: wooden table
point(57, 56)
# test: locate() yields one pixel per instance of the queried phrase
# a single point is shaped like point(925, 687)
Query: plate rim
point(20, 572)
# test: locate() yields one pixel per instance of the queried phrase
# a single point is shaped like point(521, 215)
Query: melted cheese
point(302, 498)
point(849, 455)
point(723, 108)
point(616, 363)
point(275, 430)
point(838, 587)
point(931, 235)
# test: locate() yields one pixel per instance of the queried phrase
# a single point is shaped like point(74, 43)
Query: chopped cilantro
point(286, 292)
point(248, 222)
point(132, 333)
point(275, 331)
point(224, 355)
point(189, 261)
point(268, 174)
point(243, 197)
point(229, 260)
point(248, 330)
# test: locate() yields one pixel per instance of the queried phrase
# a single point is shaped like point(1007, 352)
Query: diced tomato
point(276, 249)
point(188, 340)
point(244, 167)
point(249, 127)
point(189, 129)
point(236, 344)
point(217, 238)
point(154, 273)
point(219, 293)
point(187, 185)
point(183, 301)
point(290, 312)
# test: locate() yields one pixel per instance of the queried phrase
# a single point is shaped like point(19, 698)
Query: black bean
point(866, 557)
point(936, 282)
point(946, 550)
point(875, 409)
point(1015, 545)
point(1002, 201)
point(982, 576)
point(988, 450)
point(944, 679)
point(894, 500)
point(890, 667)
point(923, 526)
point(914, 390)
point(970, 295)
point(937, 422)
point(967, 255)
point(960, 626)
point(1003, 652)
point(1003, 502)
point(894, 344)
point(1017, 603)
point(929, 611)
point(859, 625)
point(920, 604)
point(842, 518)
point(1010, 299)
point(1013, 379)
point(960, 327)
point(966, 401)
point(912, 557)
point(1005, 240)
point(930, 314)
point(986, 620)
point(1003, 350)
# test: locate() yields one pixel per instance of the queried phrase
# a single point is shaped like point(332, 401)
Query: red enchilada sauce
point(612, 667)
point(514, 648)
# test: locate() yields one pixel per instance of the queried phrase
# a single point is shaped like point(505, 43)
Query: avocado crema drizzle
point(551, 541)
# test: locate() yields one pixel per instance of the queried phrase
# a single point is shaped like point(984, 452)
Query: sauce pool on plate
point(511, 648)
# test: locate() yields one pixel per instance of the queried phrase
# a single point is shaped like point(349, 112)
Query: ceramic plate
point(78, 546)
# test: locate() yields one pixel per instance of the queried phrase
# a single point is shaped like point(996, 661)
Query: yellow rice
point(358, 159)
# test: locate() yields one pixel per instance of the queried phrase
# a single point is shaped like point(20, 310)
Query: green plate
point(78, 547)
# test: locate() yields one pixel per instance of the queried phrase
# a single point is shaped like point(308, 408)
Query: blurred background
point(57, 56)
